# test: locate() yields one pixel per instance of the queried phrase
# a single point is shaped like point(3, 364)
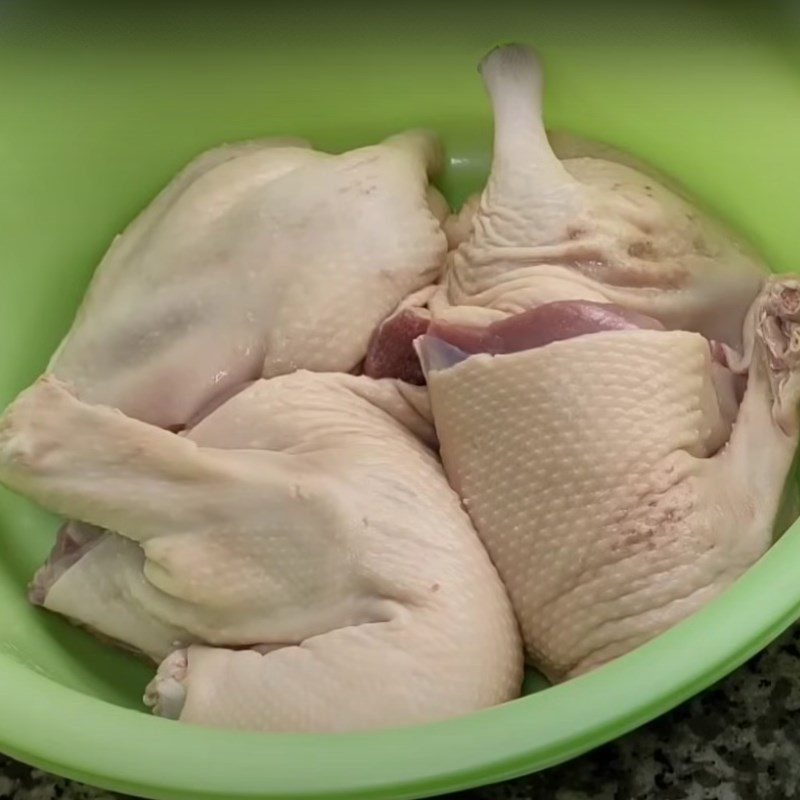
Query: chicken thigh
point(301, 547)
point(608, 467)
point(258, 259)
point(584, 229)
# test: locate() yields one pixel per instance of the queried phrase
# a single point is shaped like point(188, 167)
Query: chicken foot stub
point(605, 477)
point(303, 538)
point(586, 228)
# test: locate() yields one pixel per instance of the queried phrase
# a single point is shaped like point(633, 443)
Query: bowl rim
point(68, 733)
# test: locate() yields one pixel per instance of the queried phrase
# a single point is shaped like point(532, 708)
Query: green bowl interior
point(100, 110)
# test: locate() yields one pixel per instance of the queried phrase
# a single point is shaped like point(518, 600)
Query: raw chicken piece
point(602, 474)
point(586, 229)
point(258, 259)
point(305, 519)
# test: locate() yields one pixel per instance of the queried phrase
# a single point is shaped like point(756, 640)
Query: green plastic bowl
point(99, 111)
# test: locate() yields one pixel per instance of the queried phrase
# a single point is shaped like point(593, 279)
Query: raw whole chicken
point(260, 258)
point(304, 524)
point(608, 467)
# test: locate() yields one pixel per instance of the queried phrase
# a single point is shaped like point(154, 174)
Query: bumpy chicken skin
point(303, 522)
point(258, 259)
point(612, 486)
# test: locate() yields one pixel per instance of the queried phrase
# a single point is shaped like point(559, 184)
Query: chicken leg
point(603, 476)
point(305, 522)
point(585, 229)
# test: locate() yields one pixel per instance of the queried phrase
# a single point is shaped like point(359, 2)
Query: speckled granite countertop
point(741, 739)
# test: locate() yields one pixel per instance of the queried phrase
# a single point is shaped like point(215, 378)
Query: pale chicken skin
point(584, 229)
point(307, 523)
point(259, 259)
point(609, 480)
